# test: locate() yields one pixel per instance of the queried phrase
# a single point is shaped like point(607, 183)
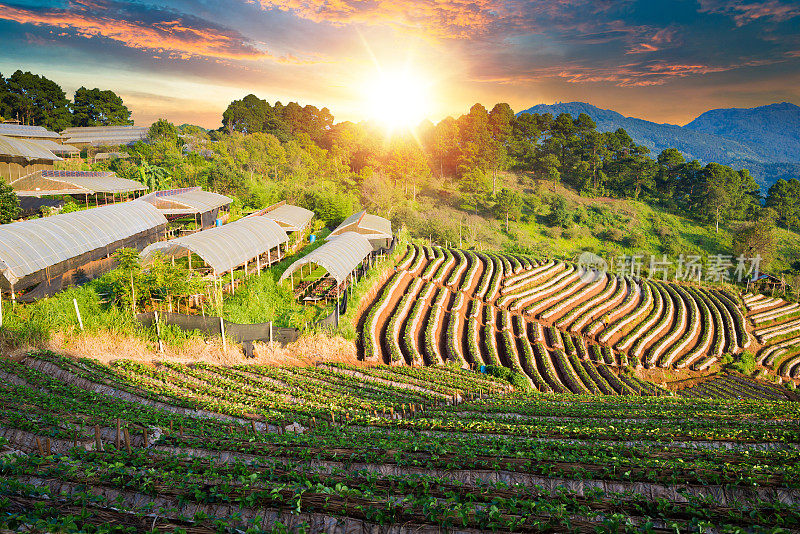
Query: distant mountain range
point(765, 139)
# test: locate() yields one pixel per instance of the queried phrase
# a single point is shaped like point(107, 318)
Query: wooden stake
point(39, 445)
point(253, 424)
point(97, 442)
point(127, 440)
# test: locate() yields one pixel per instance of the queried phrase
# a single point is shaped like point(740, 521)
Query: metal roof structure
point(225, 247)
point(104, 135)
point(49, 182)
point(186, 201)
point(290, 218)
point(371, 226)
point(27, 132)
point(30, 246)
point(56, 148)
point(339, 256)
point(13, 147)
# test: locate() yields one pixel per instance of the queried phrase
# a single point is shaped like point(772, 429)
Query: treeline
point(36, 100)
point(472, 150)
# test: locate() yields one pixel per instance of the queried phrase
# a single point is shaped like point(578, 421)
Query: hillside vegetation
point(203, 448)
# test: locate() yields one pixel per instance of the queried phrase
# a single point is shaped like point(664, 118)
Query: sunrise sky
point(185, 60)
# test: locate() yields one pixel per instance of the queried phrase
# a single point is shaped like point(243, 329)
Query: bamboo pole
point(222, 333)
point(78, 313)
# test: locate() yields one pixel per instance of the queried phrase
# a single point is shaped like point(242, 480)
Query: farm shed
point(376, 229)
point(104, 135)
point(341, 257)
point(19, 157)
point(85, 183)
point(227, 247)
point(204, 206)
point(290, 218)
point(38, 250)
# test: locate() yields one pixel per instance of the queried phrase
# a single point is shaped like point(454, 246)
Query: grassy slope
point(639, 227)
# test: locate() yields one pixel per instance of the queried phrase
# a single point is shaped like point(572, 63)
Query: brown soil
point(587, 296)
point(384, 317)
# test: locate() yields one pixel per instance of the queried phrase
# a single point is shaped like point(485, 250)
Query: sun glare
point(399, 100)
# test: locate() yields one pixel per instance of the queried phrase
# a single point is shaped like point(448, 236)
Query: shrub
point(519, 382)
point(560, 214)
point(745, 363)
point(499, 371)
point(612, 234)
point(635, 240)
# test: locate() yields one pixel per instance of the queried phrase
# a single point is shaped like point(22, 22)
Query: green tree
point(784, 197)
point(548, 165)
point(154, 177)
point(500, 129)
point(93, 107)
point(163, 130)
point(756, 238)
point(34, 99)
point(407, 163)
point(9, 204)
point(508, 203)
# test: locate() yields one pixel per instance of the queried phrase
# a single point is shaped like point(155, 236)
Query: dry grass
point(307, 350)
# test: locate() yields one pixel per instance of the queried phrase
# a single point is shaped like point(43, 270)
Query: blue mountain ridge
point(765, 139)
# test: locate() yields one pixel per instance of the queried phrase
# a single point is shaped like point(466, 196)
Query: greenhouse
point(290, 218)
point(342, 257)
point(203, 206)
point(79, 183)
point(255, 240)
point(38, 250)
point(376, 229)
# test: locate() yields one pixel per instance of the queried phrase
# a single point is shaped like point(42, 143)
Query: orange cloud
point(171, 37)
point(630, 75)
point(442, 18)
point(743, 12)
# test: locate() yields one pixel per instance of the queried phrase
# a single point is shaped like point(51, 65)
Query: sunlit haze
point(398, 99)
point(186, 60)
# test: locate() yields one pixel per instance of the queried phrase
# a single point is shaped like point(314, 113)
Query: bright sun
point(399, 100)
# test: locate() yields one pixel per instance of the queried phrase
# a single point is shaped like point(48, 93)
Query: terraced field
point(201, 448)
point(561, 326)
point(776, 327)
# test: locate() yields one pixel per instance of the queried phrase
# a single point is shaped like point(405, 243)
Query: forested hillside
point(762, 139)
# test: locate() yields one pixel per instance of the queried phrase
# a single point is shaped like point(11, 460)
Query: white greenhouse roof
point(186, 201)
point(30, 132)
point(56, 148)
point(225, 247)
point(14, 147)
point(105, 135)
point(372, 226)
point(52, 182)
point(290, 218)
point(29, 246)
point(339, 256)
